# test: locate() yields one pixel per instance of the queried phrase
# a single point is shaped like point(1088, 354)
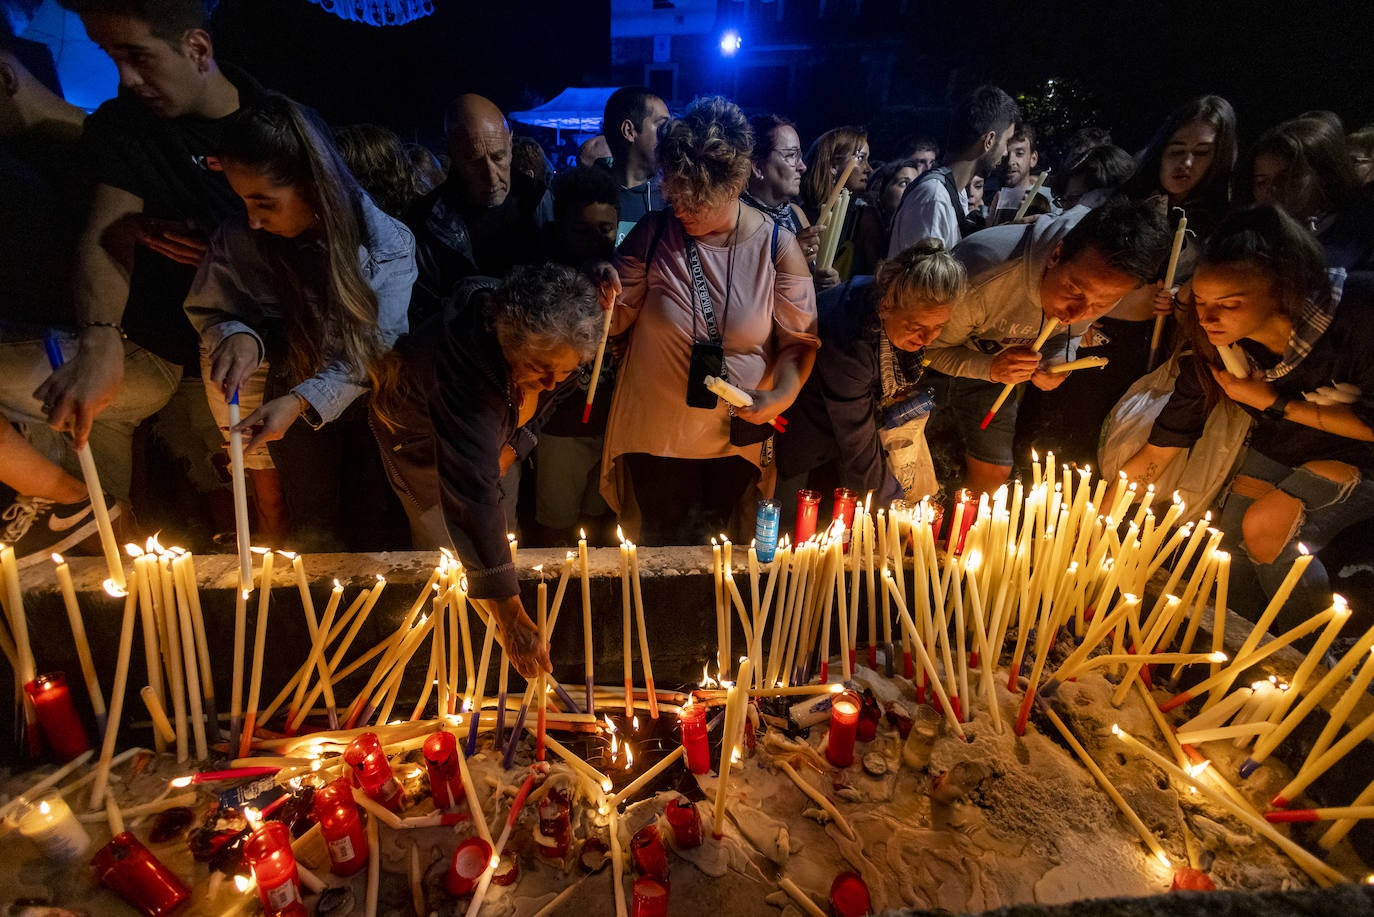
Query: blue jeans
point(1328, 507)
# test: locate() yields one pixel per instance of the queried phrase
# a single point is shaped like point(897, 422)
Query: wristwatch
point(1276, 409)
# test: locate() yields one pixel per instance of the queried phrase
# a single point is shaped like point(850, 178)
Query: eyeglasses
point(791, 156)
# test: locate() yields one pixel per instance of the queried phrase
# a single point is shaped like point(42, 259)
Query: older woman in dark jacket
point(874, 331)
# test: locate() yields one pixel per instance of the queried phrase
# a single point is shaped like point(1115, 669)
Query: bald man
point(484, 219)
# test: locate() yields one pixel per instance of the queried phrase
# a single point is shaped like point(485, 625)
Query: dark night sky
point(1272, 58)
point(404, 76)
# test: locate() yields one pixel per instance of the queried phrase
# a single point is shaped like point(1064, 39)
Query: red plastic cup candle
point(844, 725)
point(372, 771)
point(268, 852)
point(125, 867)
point(646, 849)
point(555, 825)
point(650, 898)
point(685, 820)
point(470, 860)
point(342, 827)
point(845, 501)
point(808, 511)
point(57, 716)
point(441, 763)
point(692, 722)
point(849, 896)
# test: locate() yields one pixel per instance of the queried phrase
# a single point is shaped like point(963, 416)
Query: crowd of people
point(382, 315)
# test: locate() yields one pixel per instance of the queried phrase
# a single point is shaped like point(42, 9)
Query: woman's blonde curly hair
point(705, 154)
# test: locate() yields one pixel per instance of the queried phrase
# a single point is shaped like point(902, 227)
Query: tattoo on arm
point(1150, 473)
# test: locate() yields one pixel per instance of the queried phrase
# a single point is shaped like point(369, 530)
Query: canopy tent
point(570, 110)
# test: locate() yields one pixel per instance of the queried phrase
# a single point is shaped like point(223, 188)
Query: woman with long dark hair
point(825, 163)
point(297, 303)
point(1262, 288)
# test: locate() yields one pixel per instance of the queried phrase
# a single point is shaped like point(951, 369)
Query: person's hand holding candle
point(270, 422)
point(233, 361)
point(1014, 365)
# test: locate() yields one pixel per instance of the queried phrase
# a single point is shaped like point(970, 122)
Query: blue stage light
point(730, 42)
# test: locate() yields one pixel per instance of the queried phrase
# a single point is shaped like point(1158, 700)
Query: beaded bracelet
point(115, 325)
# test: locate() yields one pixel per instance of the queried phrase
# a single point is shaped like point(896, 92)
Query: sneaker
point(37, 528)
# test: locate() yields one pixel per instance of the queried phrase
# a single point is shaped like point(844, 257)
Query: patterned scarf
point(900, 370)
point(782, 214)
point(1309, 326)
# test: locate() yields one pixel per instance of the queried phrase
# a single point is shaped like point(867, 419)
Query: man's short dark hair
point(1102, 167)
point(1132, 236)
point(167, 19)
point(582, 186)
point(986, 109)
point(626, 103)
point(1024, 133)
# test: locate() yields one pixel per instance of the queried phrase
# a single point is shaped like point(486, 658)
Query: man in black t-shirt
point(155, 199)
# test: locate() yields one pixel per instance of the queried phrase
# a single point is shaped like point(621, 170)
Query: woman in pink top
point(671, 470)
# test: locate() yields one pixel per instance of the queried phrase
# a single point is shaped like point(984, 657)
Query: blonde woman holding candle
point(1308, 335)
point(678, 463)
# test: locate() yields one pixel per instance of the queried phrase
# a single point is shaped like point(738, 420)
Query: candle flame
point(1116, 730)
point(510, 536)
point(246, 593)
point(289, 555)
point(252, 816)
point(1035, 456)
point(44, 808)
point(1302, 548)
point(262, 552)
point(724, 539)
point(706, 680)
point(538, 568)
point(615, 746)
point(57, 559)
point(1218, 657)
point(495, 862)
point(446, 553)
point(154, 546)
point(1164, 859)
point(133, 550)
point(610, 726)
point(380, 579)
point(242, 883)
point(735, 756)
point(582, 534)
point(606, 784)
point(618, 535)
point(112, 588)
point(634, 723)
point(1195, 770)
point(182, 782)
point(337, 587)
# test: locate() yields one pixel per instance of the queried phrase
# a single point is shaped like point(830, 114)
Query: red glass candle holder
point(268, 852)
point(692, 722)
point(844, 724)
point(342, 827)
point(685, 820)
point(650, 898)
point(57, 716)
point(646, 849)
point(470, 860)
point(845, 501)
point(849, 896)
point(128, 869)
point(808, 511)
point(441, 763)
point(372, 771)
point(555, 824)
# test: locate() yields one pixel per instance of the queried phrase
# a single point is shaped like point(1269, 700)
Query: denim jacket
point(235, 292)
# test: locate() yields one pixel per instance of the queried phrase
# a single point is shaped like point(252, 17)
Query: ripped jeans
point(1328, 508)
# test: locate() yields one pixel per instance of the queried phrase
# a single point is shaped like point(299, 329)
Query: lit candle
point(625, 622)
point(48, 822)
point(121, 680)
point(236, 470)
point(342, 827)
point(268, 852)
point(588, 657)
point(808, 514)
point(844, 721)
point(372, 771)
